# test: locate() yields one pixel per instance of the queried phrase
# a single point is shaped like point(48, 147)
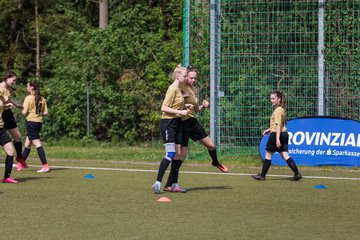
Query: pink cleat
point(19, 166)
point(44, 169)
point(9, 180)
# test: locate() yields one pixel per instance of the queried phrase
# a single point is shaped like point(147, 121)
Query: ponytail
point(36, 86)
point(281, 95)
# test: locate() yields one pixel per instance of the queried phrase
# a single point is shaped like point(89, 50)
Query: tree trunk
point(37, 41)
point(103, 13)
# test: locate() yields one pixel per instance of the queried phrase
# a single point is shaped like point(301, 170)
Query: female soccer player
point(192, 128)
point(173, 108)
point(8, 116)
point(278, 139)
point(34, 108)
point(5, 142)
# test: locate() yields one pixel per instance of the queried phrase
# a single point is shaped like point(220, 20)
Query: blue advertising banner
point(319, 141)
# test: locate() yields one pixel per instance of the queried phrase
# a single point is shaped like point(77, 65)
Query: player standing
point(172, 109)
point(34, 108)
point(279, 137)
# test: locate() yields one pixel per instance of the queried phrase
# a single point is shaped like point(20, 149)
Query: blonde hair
point(177, 71)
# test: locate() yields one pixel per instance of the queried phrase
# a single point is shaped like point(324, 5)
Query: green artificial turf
point(119, 203)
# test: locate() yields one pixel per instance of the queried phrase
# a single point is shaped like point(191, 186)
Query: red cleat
point(221, 167)
point(22, 162)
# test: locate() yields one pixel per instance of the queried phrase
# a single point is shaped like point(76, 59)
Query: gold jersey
point(4, 91)
point(190, 98)
point(175, 100)
point(278, 117)
point(33, 114)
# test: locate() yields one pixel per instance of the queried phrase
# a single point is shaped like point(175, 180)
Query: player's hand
point(184, 112)
point(205, 104)
point(189, 106)
point(278, 144)
point(8, 105)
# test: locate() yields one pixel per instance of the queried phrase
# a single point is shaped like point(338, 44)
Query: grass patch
point(63, 204)
point(147, 152)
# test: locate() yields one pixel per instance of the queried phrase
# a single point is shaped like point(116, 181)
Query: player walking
point(278, 139)
point(34, 108)
point(8, 117)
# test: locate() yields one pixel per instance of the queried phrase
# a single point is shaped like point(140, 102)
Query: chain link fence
point(244, 49)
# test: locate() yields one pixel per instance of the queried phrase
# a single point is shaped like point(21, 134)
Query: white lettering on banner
point(321, 138)
point(301, 151)
point(346, 153)
point(320, 152)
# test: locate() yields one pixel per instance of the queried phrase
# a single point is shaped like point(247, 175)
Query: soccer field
point(118, 203)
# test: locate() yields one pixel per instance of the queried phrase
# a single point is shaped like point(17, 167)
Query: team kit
point(178, 124)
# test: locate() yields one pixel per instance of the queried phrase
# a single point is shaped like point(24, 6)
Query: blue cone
point(89, 176)
point(320, 186)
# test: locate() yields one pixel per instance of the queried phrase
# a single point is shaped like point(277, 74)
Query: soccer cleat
point(176, 188)
point(221, 167)
point(22, 162)
point(9, 180)
point(296, 177)
point(167, 189)
point(258, 177)
point(44, 170)
point(156, 187)
point(19, 166)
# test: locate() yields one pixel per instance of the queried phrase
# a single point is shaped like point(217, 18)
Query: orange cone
point(164, 199)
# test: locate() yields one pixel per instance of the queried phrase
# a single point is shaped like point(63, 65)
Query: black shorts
point(171, 130)
point(4, 137)
point(33, 130)
point(271, 144)
point(192, 129)
point(9, 119)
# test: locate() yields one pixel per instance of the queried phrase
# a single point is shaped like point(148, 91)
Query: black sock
point(41, 154)
point(18, 149)
point(265, 167)
point(26, 153)
point(291, 163)
point(162, 168)
point(8, 165)
point(175, 167)
point(169, 180)
point(213, 156)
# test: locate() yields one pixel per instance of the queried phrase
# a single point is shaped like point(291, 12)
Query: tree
point(103, 13)
point(37, 30)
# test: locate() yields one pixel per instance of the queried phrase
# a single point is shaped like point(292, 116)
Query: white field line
point(193, 172)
